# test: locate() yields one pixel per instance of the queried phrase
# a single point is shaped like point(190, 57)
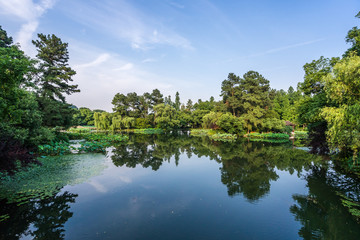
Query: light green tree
point(342, 86)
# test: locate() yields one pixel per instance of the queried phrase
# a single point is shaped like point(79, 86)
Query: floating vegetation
point(268, 135)
point(200, 132)
point(212, 134)
point(46, 180)
point(225, 137)
point(57, 148)
point(269, 140)
point(149, 131)
point(95, 142)
point(93, 146)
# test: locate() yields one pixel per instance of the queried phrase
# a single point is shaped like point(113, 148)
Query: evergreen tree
point(55, 74)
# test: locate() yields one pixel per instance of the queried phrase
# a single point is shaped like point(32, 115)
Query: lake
point(174, 186)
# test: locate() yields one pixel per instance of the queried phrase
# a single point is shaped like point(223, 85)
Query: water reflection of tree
point(152, 151)
point(320, 211)
point(41, 219)
point(247, 167)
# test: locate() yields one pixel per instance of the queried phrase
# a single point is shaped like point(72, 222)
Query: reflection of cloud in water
point(98, 186)
point(146, 207)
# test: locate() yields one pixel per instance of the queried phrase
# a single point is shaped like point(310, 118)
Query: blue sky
point(181, 45)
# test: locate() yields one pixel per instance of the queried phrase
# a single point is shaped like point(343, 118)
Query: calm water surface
point(181, 187)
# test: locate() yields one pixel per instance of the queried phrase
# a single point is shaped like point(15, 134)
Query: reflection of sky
point(188, 201)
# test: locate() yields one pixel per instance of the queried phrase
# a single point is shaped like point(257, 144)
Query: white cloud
point(125, 67)
point(99, 60)
point(28, 11)
point(124, 22)
point(148, 60)
point(107, 74)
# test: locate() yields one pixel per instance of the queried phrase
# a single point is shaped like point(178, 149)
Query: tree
point(315, 99)
point(121, 104)
point(189, 105)
point(5, 41)
point(156, 98)
point(353, 37)
point(165, 116)
point(343, 117)
point(228, 88)
point(254, 98)
point(177, 101)
point(55, 73)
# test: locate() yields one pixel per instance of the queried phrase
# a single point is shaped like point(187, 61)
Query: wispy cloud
point(177, 5)
point(28, 11)
point(125, 22)
point(125, 67)
point(107, 74)
point(99, 60)
point(149, 60)
point(279, 49)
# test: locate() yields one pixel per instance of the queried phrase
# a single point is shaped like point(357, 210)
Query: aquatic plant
point(149, 131)
point(57, 148)
point(223, 137)
point(268, 135)
point(45, 180)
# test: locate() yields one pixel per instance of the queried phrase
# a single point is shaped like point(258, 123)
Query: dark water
point(181, 187)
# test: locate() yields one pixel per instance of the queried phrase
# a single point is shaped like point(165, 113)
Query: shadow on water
point(247, 168)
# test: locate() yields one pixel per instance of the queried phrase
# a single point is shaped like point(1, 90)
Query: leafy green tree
point(314, 100)
point(197, 117)
point(103, 120)
point(230, 123)
point(210, 120)
point(116, 123)
point(343, 118)
point(273, 124)
point(21, 121)
point(353, 37)
point(84, 116)
point(165, 116)
point(281, 104)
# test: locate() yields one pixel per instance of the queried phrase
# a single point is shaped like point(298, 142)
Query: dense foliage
point(32, 100)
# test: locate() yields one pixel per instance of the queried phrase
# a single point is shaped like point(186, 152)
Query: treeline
point(32, 96)
point(248, 104)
